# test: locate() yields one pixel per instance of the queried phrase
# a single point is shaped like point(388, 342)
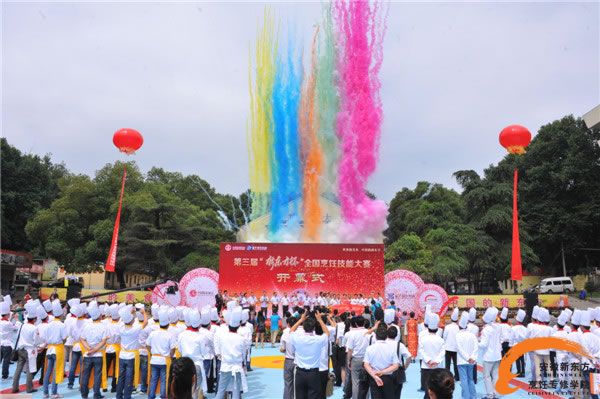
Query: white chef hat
point(4, 308)
point(597, 314)
point(472, 314)
point(57, 309)
point(504, 313)
point(73, 303)
point(194, 318)
point(231, 304)
point(125, 314)
point(114, 311)
point(47, 305)
point(154, 310)
point(41, 313)
point(214, 314)
point(432, 321)
point(163, 316)
point(464, 319)
point(139, 306)
point(544, 315)
point(562, 319)
point(490, 315)
point(388, 316)
point(186, 316)
point(569, 312)
point(454, 315)
point(93, 310)
point(427, 309)
point(205, 315)
point(8, 300)
point(245, 315)
point(520, 315)
point(576, 317)
point(534, 312)
point(234, 317)
point(173, 316)
point(585, 319)
point(31, 309)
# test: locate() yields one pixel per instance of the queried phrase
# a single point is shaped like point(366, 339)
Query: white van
point(556, 285)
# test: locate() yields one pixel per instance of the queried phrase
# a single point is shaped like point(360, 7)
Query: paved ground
point(266, 382)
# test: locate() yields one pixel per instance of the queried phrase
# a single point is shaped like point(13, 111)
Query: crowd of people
point(148, 351)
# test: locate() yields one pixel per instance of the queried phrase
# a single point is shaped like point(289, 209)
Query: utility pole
point(562, 249)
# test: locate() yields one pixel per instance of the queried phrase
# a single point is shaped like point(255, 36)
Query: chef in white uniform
point(431, 349)
point(231, 347)
point(449, 335)
point(191, 343)
point(467, 349)
point(490, 342)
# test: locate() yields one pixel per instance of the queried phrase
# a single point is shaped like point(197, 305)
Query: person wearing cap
point(205, 325)
point(591, 344)
point(74, 330)
point(128, 366)
point(467, 349)
point(7, 329)
point(380, 363)
point(561, 356)
point(152, 324)
point(93, 338)
point(26, 348)
point(42, 324)
point(54, 337)
point(449, 336)
point(191, 343)
point(69, 320)
point(491, 343)
point(519, 333)
point(113, 344)
point(308, 349)
point(161, 348)
point(231, 347)
point(432, 349)
point(541, 356)
point(245, 331)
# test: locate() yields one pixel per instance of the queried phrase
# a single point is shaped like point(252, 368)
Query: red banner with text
point(308, 268)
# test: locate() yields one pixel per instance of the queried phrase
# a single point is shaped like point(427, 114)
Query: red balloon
point(128, 140)
point(515, 138)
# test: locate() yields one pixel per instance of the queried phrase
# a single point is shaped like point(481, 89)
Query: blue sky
point(454, 75)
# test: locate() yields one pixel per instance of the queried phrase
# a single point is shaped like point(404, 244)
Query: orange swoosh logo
point(528, 345)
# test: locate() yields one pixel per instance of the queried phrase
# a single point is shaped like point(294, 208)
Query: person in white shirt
point(245, 331)
point(466, 349)
point(531, 327)
point(161, 348)
point(542, 356)
point(74, 330)
point(288, 364)
point(7, 329)
point(506, 329)
point(26, 348)
point(449, 335)
point(431, 349)
point(285, 304)
point(380, 362)
point(42, 323)
point(519, 333)
point(232, 347)
point(264, 303)
point(129, 354)
point(356, 344)
point(93, 342)
point(54, 337)
point(591, 344)
point(194, 345)
point(209, 354)
point(404, 358)
point(308, 349)
point(112, 344)
point(151, 325)
point(561, 356)
point(275, 303)
point(70, 319)
point(491, 344)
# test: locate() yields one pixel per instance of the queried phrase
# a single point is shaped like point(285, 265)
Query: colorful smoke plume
point(314, 131)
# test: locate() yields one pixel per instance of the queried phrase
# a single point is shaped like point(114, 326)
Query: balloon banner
point(403, 287)
point(433, 295)
point(199, 287)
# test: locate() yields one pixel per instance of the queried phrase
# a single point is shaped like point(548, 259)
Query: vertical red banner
point(112, 253)
point(516, 270)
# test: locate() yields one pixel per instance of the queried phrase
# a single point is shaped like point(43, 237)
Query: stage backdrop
point(311, 268)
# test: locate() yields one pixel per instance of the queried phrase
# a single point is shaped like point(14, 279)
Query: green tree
point(29, 183)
